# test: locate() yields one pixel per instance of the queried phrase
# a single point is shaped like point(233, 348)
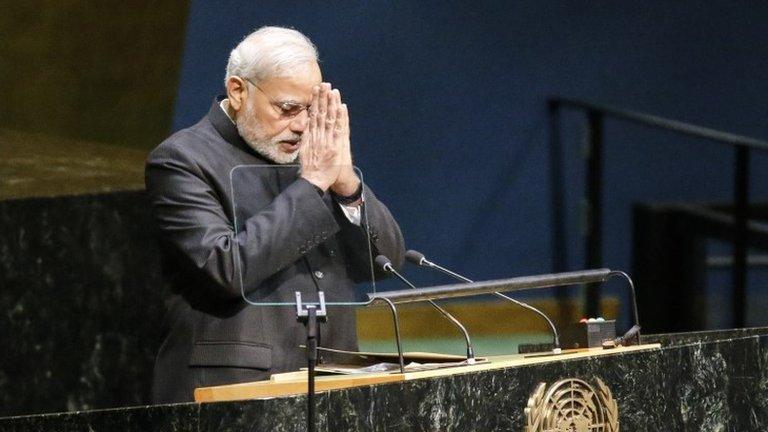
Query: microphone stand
point(387, 266)
point(556, 349)
point(309, 314)
point(634, 332)
point(392, 298)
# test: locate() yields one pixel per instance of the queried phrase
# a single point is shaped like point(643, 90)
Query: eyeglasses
point(287, 109)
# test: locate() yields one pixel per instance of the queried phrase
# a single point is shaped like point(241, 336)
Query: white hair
point(270, 52)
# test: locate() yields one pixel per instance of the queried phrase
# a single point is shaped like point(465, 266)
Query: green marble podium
point(705, 381)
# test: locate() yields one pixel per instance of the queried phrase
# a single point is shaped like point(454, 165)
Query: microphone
point(420, 260)
point(385, 264)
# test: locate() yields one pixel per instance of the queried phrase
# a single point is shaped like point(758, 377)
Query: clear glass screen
point(291, 238)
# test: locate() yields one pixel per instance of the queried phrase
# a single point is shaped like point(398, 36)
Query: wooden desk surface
point(293, 383)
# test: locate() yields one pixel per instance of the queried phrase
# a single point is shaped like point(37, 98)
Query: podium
point(676, 382)
point(294, 383)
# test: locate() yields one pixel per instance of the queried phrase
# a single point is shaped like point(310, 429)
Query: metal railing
point(594, 237)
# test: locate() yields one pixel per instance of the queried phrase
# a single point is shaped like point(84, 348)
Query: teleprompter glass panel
point(290, 236)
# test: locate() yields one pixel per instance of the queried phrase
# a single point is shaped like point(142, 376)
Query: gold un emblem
point(572, 405)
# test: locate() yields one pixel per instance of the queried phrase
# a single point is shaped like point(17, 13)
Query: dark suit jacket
point(280, 235)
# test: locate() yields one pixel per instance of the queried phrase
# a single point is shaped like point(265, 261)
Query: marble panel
point(82, 300)
point(714, 386)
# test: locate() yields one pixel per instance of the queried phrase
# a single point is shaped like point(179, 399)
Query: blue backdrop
point(447, 103)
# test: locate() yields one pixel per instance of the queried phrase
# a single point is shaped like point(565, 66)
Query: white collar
point(224, 104)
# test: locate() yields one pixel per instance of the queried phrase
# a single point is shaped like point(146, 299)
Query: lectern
point(676, 382)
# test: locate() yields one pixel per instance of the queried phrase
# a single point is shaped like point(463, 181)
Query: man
point(239, 220)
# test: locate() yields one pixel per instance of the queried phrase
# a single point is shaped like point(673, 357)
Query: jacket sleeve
point(192, 219)
point(378, 226)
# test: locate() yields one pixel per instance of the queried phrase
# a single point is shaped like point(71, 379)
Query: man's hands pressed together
point(325, 154)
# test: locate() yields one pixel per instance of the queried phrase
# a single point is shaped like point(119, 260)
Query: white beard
point(251, 131)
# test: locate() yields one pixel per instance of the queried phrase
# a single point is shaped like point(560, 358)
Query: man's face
point(271, 119)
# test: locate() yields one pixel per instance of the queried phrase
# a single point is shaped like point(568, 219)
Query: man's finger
point(306, 143)
point(338, 130)
point(313, 103)
point(344, 118)
point(330, 118)
point(322, 113)
point(311, 133)
point(322, 102)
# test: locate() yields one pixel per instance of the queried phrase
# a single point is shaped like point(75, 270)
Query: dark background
point(447, 104)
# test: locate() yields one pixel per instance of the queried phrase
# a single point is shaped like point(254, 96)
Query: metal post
point(310, 314)
point(741, 215)
point(311, 360)
point(396, 324)
point(594, 235)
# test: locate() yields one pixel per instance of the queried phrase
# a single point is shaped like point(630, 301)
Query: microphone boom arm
point(387, 266)
point(425, 262)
